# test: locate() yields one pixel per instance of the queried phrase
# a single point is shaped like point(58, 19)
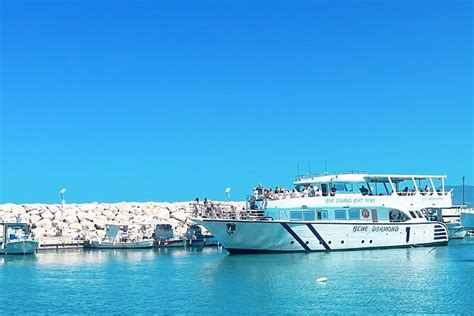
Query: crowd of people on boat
point(278, 193)
point(209, 209)
point(311, 190)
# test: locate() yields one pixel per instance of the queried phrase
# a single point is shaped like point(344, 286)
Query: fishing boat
point(342, 211)
point(196, 238)
point(16, 238)
point(117, 237)
point(164, 236)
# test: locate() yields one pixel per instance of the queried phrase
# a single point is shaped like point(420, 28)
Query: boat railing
point(251, 199)
point(313, 175)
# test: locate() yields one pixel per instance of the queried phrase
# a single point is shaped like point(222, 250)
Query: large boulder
point(88, 225)
point(122, 218)
point(109, 214)
point(35, 218)
point(76, 227)
point(71, 219)
point(44, 223)
point(100, 220)
point(47, 215)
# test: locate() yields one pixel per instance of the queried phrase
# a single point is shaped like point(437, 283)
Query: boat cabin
point(116, 232)
point(14, 232)
point(163, 231)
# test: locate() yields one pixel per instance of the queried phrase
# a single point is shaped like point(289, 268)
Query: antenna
point(462, 190)
point(326, 167)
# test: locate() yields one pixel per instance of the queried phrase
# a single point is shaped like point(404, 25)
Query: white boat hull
point(170, 243)
point(19, 247)
point(456, 231)
point(95, 244)
point(286, 236)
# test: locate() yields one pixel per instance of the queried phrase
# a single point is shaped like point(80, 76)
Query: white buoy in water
point(320, 280)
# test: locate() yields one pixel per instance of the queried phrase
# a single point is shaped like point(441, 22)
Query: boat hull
point(143, 244)
point(171, 243)
point(456, 231)
point(20, 247)
point(280, 236)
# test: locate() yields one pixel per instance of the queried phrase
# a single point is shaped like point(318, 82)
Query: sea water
point(210, 281)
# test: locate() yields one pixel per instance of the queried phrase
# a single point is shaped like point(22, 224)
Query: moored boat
point(450, 216)
point(196, 238)
point(343, 211)
point(164, 236)
point(467, 218)
point(16, 238)
point(117, 237)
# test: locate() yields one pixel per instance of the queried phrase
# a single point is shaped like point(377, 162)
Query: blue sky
point(170, 100)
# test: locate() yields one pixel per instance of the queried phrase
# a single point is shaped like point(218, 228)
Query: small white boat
point(196, 238)
point(456, 230)
point(17, 239)
point(450, 216)
point(117, 237)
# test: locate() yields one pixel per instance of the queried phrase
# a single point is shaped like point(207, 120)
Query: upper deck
point(359, 189)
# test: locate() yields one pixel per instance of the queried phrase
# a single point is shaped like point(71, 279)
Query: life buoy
point(365, 213)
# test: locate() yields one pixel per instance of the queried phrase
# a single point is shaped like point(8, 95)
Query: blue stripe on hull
point(321, 240)
point(295, 236)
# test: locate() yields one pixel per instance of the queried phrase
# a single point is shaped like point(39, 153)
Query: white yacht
point(343, 211)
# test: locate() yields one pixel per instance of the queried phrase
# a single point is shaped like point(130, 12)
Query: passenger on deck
point(405, 191)
point(333, 190)
point(318, 192)
point(426, 190)
point(364, 190)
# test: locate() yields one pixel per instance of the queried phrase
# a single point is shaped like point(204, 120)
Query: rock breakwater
point(88, 220)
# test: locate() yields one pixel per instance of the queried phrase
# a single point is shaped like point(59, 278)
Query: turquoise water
point(209, 281)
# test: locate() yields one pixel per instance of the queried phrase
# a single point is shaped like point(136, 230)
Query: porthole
point(307, 242)
point(329, 242)
point(342, 241)
point(292, 242)
point(370, 241)
point(362, 241)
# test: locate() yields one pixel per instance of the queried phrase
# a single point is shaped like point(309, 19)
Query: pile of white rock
point(88, 220)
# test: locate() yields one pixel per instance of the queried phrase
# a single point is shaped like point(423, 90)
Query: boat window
point(309, 215)
point(340, 214)
point(419, 214)
point(296, 216)
point(324, 189)
point(405, 187)
point(322, 215)
point(413, 215)
point(397, 216)
point(354, 214)
point(425, 187)
point(375, 216)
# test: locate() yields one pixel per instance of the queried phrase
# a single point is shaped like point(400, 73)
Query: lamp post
point(227, 193)
point(61, 194)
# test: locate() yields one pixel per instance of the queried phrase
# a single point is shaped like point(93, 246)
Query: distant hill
point(457, 194)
